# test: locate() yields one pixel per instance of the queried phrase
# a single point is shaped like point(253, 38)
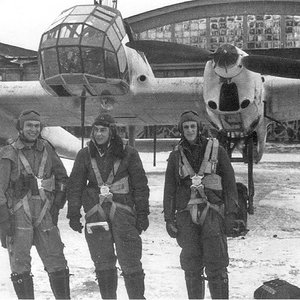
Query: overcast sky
point(22, 22)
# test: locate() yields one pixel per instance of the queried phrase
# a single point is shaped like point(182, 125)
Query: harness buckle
point(214, 163)
point(90, 226)
point(39, 182)
point(196, 181)
point(104, 190)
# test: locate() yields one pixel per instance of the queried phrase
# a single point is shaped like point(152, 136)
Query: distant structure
point(111, 3)
point(17, 64)
point(256, 26)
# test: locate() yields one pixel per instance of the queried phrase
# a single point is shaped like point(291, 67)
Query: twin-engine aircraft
point(90, 62)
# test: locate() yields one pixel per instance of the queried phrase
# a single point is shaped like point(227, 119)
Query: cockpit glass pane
point(122, 59)
point(83, 10)
point(50, 38)
point(69, 60)
point(116, 28)
point(98, 23)
point(70, 34)
point(103, 16)
point(93, 61)
point(92, 37)
point(108, 45)
point(111, 65)
point(49, 62)
point(61, 17)
point(120, 25)
point(113, 38)
point(106, 11)
point(75, 19)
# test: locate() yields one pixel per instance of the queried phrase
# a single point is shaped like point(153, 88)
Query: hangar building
point(256, 26)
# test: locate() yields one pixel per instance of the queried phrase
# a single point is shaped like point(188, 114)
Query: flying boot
point(135, 285)
point(60, 284)
point(108, 283)
point(218, 286)
point(23, 285)
point(195, 284)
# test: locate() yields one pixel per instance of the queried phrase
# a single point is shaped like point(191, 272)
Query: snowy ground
point(270, 250)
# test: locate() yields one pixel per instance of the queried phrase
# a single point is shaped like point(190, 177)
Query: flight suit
point(120, 212)
point(205, 245)
point(31, 211)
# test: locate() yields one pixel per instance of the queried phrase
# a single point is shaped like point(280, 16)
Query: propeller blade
point(271, 65)
point(169, 50)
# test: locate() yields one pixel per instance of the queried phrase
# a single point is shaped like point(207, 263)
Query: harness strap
point(98, 208)
point(214, 155)
point(193, 204)
point(186, 163)
point(119, 187)
point(206, 157)
point(111, 174)
point(192, 207)
point(43, 164)
point(45, 207)
point(24, 200)
point(208, 166)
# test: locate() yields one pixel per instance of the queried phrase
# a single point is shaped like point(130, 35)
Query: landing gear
point(247, 146)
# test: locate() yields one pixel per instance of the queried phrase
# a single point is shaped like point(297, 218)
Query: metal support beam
point(131, 135)
point(154, 146)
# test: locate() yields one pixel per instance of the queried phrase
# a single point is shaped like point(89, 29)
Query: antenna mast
point(112, 3)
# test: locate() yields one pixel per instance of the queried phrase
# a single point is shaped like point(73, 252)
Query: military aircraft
point(90, 62)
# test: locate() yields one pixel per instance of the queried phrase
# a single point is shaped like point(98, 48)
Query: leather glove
point(75, 224)
point(5, 225)
point(142, 222)
point(230, 224)
point(54, 211)
point(60, 199)
point(5, 230)
point(171, 229)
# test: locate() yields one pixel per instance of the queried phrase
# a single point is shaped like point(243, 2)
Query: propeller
point(169, 50)
point(271, 65)
point(224, 56)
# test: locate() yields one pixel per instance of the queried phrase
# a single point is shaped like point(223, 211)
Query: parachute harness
point(205, 178)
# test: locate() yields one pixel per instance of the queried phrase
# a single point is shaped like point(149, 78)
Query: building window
point(292, 31)
point(263, 31)
point(163, 33)
point(227, 29)
point(191, 32)
point(245, 32)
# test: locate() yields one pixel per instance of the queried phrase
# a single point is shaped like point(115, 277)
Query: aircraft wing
point(282, 96)
point(160, 101)
point(17, 96)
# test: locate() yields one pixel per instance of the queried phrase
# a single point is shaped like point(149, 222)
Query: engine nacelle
point(232, 94)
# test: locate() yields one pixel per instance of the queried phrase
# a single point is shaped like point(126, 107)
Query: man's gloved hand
point(54, 212)
point(5, 224)
point(75, 224)
point(60, 199)
point(142, 222)
point(230, 224)
point(171, 229)
point(5, 230)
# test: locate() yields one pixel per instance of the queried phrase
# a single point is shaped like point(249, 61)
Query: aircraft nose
point(83, 51)
point(226, 56)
